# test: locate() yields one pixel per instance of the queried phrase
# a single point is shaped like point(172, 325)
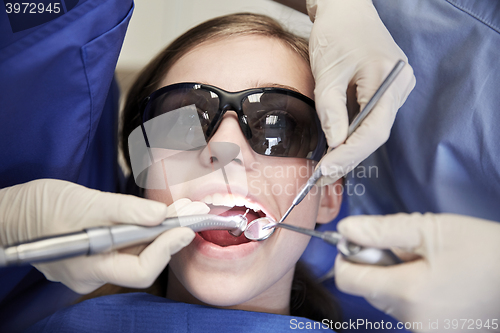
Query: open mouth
point(228, 206)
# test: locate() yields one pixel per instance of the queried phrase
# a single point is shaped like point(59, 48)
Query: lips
point(222, 237)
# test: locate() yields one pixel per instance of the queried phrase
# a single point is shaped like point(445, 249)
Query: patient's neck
point(275, 300)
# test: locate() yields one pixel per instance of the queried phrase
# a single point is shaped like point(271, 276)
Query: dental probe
point(106, 239)
point(352, 127)
point(352, 252)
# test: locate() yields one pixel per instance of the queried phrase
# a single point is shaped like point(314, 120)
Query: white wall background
point(155, 23)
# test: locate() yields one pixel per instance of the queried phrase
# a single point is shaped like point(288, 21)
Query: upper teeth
point(230, 200)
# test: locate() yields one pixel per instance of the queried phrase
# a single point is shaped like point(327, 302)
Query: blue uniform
point(58, 114)
point(54, 84)
point(443, 155)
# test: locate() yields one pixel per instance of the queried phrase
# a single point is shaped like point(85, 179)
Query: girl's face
point(217, 268)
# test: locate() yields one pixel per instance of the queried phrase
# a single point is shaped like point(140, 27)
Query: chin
point(219, 289)
point(223, 296)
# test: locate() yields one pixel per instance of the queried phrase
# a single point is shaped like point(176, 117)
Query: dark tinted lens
point(281, 125)
point(182, 114)
point(205, 102)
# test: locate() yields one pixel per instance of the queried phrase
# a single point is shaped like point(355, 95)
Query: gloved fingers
point(311, 6)
point(405, 255)
point(369, 78)
point(363, 142)
point(134, 250)
point(141, 271)
point(136, 267)
point(195, 208)
point(332, 79)
point(176, 206)
point(381, 118)
point(184, 206)
point(181, 207)
point(121, 208)
point(343, 159)
point(332, 112)
point(408, 231)
point(75, 273)
point(377, 282)
point(373, 131)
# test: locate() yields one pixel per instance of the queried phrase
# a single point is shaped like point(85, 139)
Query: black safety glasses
point(276, 121)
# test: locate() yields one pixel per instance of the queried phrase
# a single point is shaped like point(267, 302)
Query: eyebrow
point(267, 85)
point(277, 85)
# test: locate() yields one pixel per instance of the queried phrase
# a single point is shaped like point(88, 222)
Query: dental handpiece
point(349, 250)
point(352, 127)
point(106, 239)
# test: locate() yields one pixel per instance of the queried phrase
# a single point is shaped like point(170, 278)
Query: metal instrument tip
point(286, 214)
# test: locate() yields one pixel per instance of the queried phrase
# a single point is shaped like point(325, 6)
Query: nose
point(228, 144)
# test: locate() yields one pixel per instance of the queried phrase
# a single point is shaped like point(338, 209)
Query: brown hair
point(308, 298)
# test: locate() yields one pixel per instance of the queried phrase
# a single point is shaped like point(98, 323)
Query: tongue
point(223, 237)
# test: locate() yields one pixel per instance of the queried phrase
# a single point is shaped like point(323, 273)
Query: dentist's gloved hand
point(48, 207)
point(456, 275)
point(350, 46)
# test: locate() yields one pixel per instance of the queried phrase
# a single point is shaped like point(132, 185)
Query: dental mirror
point(255, 229)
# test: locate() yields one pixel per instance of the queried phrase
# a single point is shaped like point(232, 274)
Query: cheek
point(290, 246)
point(279, 177)
point(159, 195)
point(307, 209)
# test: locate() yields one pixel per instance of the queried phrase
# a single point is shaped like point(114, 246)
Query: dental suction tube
point(106, 239)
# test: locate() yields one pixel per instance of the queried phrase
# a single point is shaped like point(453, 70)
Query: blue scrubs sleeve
point(58, 117)
point(443, 155)
point(54, 82)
